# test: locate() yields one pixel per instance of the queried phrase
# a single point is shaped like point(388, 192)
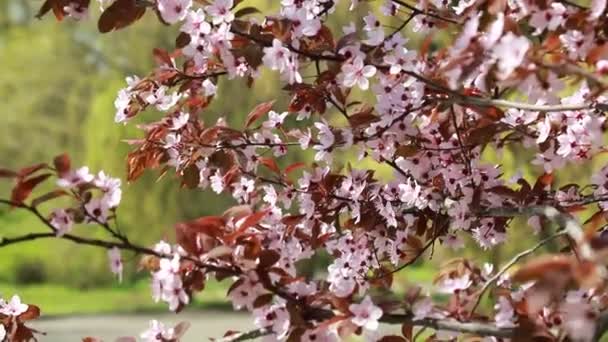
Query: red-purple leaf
point(120, 14)
point(262, 300)
point(62, 164)
point(25, 187)
point(294, 167)
point(267, 259)
point(257, 112)
point(246, 11)
point(270, 163)
point(48, 196)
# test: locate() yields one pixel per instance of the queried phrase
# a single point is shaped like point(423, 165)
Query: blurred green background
point(58, 82)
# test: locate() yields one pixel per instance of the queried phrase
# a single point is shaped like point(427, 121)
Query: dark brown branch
point(123, 244)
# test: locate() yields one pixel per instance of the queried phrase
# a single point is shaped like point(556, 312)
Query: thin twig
point(510, 264)
point(566, 221)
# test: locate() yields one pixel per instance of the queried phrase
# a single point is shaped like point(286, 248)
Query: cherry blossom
point(510, 52)
point(451, 285)
point(14, 307)
point(115, 260)
point(505, 313)
point(356, 73)
point(62, 220)
point(550, 18)
point(366, 314)
point(173, 11)
point(75, 178)
point(76, 11)
point(157, 332)
point(220, 12)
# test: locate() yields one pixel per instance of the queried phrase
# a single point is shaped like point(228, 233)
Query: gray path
point(203, 325)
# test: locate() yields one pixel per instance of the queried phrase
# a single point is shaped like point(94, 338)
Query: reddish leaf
point(21, 334)
point(120, 14)
point(251, 220)
point(257, 112)
point(62, 164)
point(45, 8)
point(32, 313)
point(407, 331)
point(246, 11)
point(199, 235)
point(346, 40)
point(182, 40)
point(47, 197)
point(162, 57)
point(191, 177)
point(237, 212)
point(180, 329)
point(270, 163)
point(268, 258)
point(26, 171)
point(235, 285)
point(294, 167)
point(25, 187)
point(392, 338)
point(543, 266)
point(262, 300)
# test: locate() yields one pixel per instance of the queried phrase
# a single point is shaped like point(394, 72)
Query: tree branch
point(249, 335)
point(477, 328)
point(566, 221)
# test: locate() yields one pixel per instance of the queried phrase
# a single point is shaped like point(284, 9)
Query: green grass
point(62, 300)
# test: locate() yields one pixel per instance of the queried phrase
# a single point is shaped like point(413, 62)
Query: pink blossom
point(195, 24)
point(14, 307)
point(510, 53)
point(62, 220)
point(549, 19)
point(374, 31)
point(75, 178)
point(450, 285)
point(97, 210)
point(157, 332)
point(275, 317)
point(577, 43)
point(304, 23)
point(517, 117)
point(366, 314)
point(275, 119)
point(505, 315)
point(535, 223)
point(179, 121)
point(596, 9)
point(220, 12)
point(173, 11)
point(320, 335)
point(356, 73)
point(76, 11)
point(161, 100)
point(115, 260)
point(277, 57)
